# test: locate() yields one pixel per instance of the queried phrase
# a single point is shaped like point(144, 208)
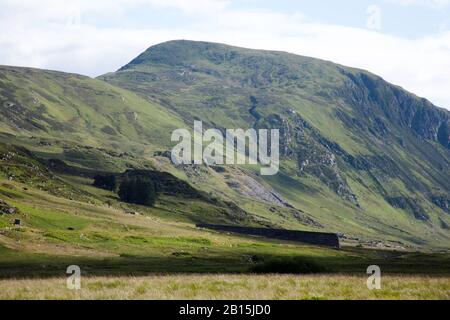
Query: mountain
point(74, 108)
point(360, 155)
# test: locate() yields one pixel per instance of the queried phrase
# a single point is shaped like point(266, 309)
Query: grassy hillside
point(55, 106)
point(90, 124)
point(66, 221)
point(109, 238)
point(360, 156)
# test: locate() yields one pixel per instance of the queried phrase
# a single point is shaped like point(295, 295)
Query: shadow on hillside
point(41, 266)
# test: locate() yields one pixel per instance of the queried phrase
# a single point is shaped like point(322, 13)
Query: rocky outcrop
point(376, 100)
point(442, 201)
point(6, 208)
point(315, 155)
point(443, 134)
point(315, 159)
point(249, 187)
point(410, 205)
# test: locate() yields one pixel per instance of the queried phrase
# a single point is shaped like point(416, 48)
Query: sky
point(407, 42)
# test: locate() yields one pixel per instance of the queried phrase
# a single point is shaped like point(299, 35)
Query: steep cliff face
point(381, 150)
point(375, 99)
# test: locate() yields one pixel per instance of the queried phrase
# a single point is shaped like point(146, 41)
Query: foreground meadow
point(239, 287)
point(158, 253)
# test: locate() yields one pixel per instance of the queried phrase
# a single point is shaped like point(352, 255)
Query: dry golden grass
point(225, 286)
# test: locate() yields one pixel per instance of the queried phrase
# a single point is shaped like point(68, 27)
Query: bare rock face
point(410, 205)
point(442, 201)
point(248, 186)
point(6, 208)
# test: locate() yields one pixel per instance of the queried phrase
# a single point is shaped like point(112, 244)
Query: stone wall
point(317, 238)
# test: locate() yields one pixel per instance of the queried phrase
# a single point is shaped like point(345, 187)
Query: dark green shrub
point(138, 190)
point(107, 182)
point(288, 265)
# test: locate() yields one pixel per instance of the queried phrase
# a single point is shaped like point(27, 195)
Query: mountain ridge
point(144, 57)
point(346, 127)
point(359, 156)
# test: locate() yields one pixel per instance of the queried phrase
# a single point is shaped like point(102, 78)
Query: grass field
point(158, 253)
point(234, 287)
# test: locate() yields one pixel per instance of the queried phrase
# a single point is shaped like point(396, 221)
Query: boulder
point(6, 208)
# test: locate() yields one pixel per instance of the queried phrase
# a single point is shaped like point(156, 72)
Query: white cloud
point(39, 35)
point(58, 10)
point(192, 7)
point(437, 4)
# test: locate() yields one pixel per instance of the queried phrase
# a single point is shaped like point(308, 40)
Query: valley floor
point(131, 252)
point(234, 287)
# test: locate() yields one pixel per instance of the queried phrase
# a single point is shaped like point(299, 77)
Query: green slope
point(81, 110)
point(360, 155)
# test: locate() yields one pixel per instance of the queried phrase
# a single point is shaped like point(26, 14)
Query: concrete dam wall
point(316, 238)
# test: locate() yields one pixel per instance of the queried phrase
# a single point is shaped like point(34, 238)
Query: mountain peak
point(189, 52)
point(177, 52)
